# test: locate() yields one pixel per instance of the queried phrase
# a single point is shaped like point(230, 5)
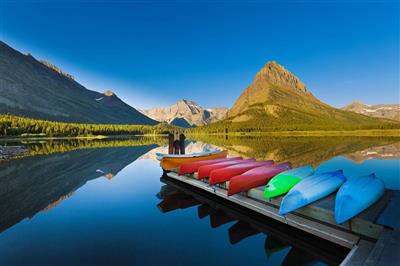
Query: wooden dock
point(368, 241)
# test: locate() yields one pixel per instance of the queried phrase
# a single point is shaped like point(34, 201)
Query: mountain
point(186, 113)
point(389, 111)
point(38, 89)
point(278, 100)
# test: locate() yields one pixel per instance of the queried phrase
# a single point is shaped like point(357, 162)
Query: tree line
point(11, 125)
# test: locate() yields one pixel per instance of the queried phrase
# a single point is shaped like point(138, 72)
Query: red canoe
point(255, 177)
point(190, 168)
point(205, 170)
point(222, 175)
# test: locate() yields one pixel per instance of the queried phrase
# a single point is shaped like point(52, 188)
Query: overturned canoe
point(192, 167)
point(283, 182)
point(172, 161)
point(255, 177)
point(311, 189)
point(225, 174)
point(205, 170)
point(356, 195)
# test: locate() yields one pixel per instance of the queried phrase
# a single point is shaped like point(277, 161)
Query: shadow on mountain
point(32, 184)
point(306, 150)
point(301, 247)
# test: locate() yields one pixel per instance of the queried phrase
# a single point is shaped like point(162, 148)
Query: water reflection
point(300, 248)
point(51, 146)
point(32, 184)
point(308, 150)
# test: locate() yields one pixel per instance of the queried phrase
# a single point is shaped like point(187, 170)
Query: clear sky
point(152, 53)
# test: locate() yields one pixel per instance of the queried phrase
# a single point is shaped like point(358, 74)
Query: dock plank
point(358, 254)
point(386, 250)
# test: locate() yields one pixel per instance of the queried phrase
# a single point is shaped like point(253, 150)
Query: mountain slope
point(186, 113)
point(278, 100)
point(40, 90)
point(388, 111)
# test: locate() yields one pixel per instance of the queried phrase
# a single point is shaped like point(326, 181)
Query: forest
point(11, 125)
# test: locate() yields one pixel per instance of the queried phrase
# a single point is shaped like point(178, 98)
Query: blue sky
point(154, 53)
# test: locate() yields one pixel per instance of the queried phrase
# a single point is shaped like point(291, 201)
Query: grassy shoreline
point(316, 133)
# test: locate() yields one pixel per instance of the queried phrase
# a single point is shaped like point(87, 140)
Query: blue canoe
point(311, 189)
point(356, 195)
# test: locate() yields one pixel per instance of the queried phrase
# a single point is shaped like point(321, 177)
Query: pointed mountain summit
point(185, 113)
point(271, 79)
point(278, 100)
point(39, 89)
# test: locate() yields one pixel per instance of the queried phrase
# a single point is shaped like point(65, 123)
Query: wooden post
point(182, 143)
point(176, 147)
point(170, 143)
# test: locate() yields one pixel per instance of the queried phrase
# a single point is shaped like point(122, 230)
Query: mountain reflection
point(34, 183)
point(308, 150)
point(301, 248)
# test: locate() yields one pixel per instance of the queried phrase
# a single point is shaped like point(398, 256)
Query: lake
point(85, 202)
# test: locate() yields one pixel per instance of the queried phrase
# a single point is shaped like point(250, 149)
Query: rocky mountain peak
point(357, 103)
point(186, 113)
point(109, 93)
point(276, 74)
point(190, 106)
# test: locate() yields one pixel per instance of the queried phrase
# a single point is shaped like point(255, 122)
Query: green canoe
point(284, 181)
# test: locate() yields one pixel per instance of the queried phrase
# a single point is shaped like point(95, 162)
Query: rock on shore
point(7, 152)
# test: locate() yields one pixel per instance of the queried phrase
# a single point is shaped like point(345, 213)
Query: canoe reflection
point(177, 200)
point(296, 257)
point(301, 247)
point(273, 245)
point(241, 230)
point(204, 210)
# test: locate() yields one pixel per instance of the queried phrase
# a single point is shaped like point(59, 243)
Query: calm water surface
point(102, 202)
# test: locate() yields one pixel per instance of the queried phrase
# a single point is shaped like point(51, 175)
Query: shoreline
point(316, 133)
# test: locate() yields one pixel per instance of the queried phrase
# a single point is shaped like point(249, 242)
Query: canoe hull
point(172, 163)
point(283, 182)
point(356, 195)
point(225, 174)
point(311, 189)
point(192, 167)
point(254, 178)
point(205, 170)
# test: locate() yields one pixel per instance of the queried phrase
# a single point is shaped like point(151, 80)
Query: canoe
point(311, 189)
point(356, 195)
point(192, 167)
point(173, 161)
point(255, 177)
point(225, 174)
point(283, 182)
point(205, 170)
point(202, 153)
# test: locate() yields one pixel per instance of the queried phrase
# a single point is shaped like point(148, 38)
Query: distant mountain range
point(278, 100)
point(185, 113)
point(38, 89)
point(388, 111)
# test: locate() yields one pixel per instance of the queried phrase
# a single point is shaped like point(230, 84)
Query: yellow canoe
point(170, 162)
